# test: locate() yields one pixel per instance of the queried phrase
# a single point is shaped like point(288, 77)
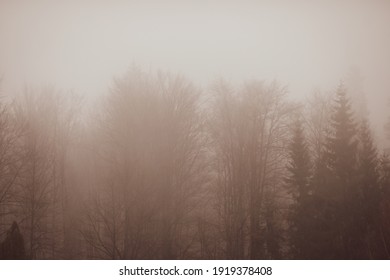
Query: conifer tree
point(339, 192)
point(342, 151)
point(368, 183)
point(342, 144)
point(384, 220)
point(298, 184)
point(299, 166)
point(368, 158)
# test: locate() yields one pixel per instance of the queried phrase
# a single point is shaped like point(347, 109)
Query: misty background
point(81, 45)
point(194, 129)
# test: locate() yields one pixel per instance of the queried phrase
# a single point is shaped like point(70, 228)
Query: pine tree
point(342, 151)
point(384, 220)
point(368, 158)
point(338, 192)
point(298, 184)
point(368, 183)
point(299, 166)
point(342, 144)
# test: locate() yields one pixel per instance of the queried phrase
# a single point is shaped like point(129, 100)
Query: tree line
point(160, 170)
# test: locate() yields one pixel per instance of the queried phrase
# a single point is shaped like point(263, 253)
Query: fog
point(82, 44)
point(297, 48)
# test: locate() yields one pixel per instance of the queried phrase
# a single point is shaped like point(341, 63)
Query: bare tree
point(10, 165)
point(248, 129)
point(151, 147)
point(317, 119)
point(45, 120)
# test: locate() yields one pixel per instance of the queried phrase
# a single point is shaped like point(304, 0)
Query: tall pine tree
point(298, 184)
point(368, 183)
point(341, 193)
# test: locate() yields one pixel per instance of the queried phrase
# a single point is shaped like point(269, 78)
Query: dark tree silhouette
point(298, 184)
point(368, 184)
point(12, 248)
point(335, 185)
point(384, 220)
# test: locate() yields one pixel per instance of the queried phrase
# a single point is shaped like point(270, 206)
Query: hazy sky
point(81, 45)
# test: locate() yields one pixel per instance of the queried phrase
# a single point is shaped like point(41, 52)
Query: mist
point(150, 129)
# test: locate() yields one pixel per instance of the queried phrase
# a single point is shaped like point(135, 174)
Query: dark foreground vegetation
point(159, 170)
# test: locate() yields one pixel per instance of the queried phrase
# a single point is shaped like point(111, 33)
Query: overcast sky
point(81, 45)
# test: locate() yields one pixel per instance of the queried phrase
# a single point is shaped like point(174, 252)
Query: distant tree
point(342, 162)
point(299, 165)
point(149, 173)
point(66, 106)
point(10, 166)
point(368, 183)
point(367, 158)
point(321, 236)
point(45, 120)
point(249, 138)
point(342, 144)
point(317, 118)
point(266, 114)
point(298, 183)
point(336, 193)
point(228, 139)
point(36, 178)
point(325, 237)
point(354, 81)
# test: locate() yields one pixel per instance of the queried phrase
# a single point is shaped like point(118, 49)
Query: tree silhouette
point(343, 164)
point(298, 184)
point(12, 248)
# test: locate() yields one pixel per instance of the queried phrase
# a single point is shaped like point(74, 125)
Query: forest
point(159, 169)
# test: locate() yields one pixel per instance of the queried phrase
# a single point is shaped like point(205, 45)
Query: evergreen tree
point(368, 158)
point(384, 182)
point(343, 148)
point(368, 183)
point(299, 165)
point(298, 184)
point(324, 215)
point(342, 144)
point(339, 192)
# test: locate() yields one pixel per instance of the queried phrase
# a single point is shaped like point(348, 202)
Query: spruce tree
point(368, 158)
point(342, 191)
point(299, 165)
point(298, 184)
point(342, 144)
point(384, 182)
point(368, 182)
